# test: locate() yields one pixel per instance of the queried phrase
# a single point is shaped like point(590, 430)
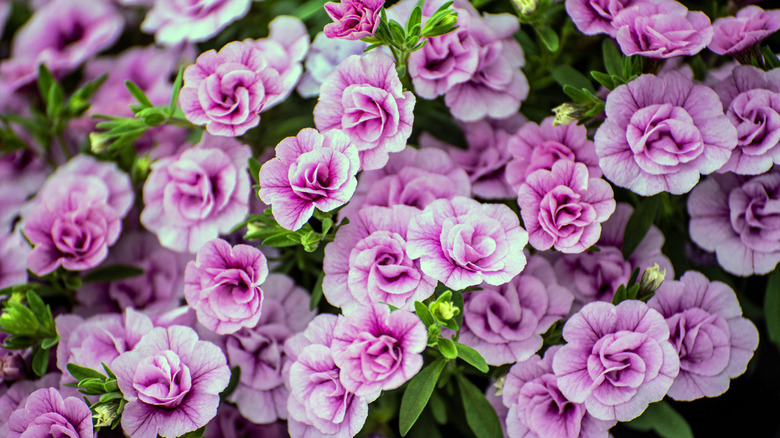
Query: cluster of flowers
point(140, 261)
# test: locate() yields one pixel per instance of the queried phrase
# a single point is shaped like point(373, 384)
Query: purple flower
point(311, 170)
point(62, 34)
point(226, 90)
point(13, 259)
point(365, 99)
point(367, 262)
point(662, 30)
point(21, 175)
point(319, 405)
point(738, 34)
point(714, 342)
point(324, 56)
point(752, 104)
point(564, 207)
point(617, 359)
point(536, 147)
point(46, 414)
point(595, 276)
point(462, 243)
point(353, 19)
point(191, 198)
point(736, 218)
point(261, 394)
point(505, 323)
point(376, 349)
point(174, 21)
point(171, 381)
point(16, 395)
point(538, 408)
point(595, 16)
point(223, 286)
point(661, 133)
point(230, 424)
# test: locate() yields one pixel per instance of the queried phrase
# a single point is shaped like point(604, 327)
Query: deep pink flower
point(174, 21)
point(223, 286)
point(505, 323)
point(365, 99)
point(661, 133)
point(564, 207)
point(191, 198)
point(462, 243)
point(617, 359)
point(376, 349)
point(737, 34)
point(538, 408)
point(46, 414)
point(367, 262)
point(310, 170)
point(226, 90)
point(171, 381)
point(353, 19)
point(714, 342)
point(595, 16)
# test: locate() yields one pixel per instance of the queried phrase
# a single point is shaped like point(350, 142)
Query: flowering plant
point(375, 218)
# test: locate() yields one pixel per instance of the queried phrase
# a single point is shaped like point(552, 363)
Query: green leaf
point(45, 81)
point(195, 433)
point(309, 9)
point(472, 357)
point(447, 348)
point(254, 169)
point(568, 75)
point(613, 60)
point(47, 343)
point(603, 79)
point(424, 313)
point(397, 33)
point(417, 393)
point(772, 307)
point(79, 100)
point(457, 300)
point(548, 37)
point(480, 415)
point(638, 225)
point(415, 19)
point(138, 94)
point(176, 90)
point(664, 420)
point(576, 94)
point(38, 307)
point(81, 373)
point(112, 273)
point(438, 408)
point(620, 295)
point(55, 100)
point(283, 239)
point(316, 293)
point(40, 361)
point(235, 377)
point(770, 59)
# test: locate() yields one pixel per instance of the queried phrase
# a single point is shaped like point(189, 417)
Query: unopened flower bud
point(499, 385)
point(445, 311)
point(526, 7)
point(651, 280)
point(105, 415)
point(99, 142)
point(568, 113)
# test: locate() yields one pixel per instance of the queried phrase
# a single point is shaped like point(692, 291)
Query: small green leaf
point(613, 60)
point(47, 343)
point(603, 79)
point(638, 225)
point(45, 81)
point(235, 377)
point(620, 295)
point(38, 307)
point(447, 348)
point(568, 75)
point(138, 94)
point(283, 239)
point(254, 169)
point(55, 100)
point(112, 273)
point(316, 293)
point(195, 433)
point(415, 19)
point(480, 415)
point(472, 357)
point(664, 420)
point(417, 393)
point(424, 313)
point(772, 307)
point(770, 59)
point(438, 408)
point(80, 373)
point(548, 37)
point(40, 361)
point(576, 94)
point(176, 90)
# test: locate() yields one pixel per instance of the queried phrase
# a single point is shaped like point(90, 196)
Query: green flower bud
point(105, 415)
point(568, 113)
point(526, 7)
point(651, 280)
point(99, 142)
point(445, 311)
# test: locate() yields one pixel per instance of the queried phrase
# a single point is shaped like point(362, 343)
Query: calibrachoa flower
point(229, 423)
point(376, 349)
point(564, 207)
point(661, 133)
point(261, 394)
point(324, 56)
point(505, 323)
point(462, 243)
point(663, 29)
point(174, 21)
point(752, 24)
point(17, 393)
point(735, 218)
point(617, 359)
point(319, 405)
point(538, 409)
point(367, 262)
point(226, 90)
point(353, 19)
point(536, 147)
point(171, 381)
point(191, 198)
point(310, 170)
point(46, 414)
point(365, 99)
point(595, 16)
point(714, 342)
point(223, 286)
point(13, 259)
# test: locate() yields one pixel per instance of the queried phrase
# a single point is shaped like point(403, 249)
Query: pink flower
point(13, 259)
point(564, 207)
point(714, 342)
point(737, 34)
point(505, 323)
point(191, 198)
point(376, 349)
point(174, 21)
point(226, 90)
point(310, 170)
point(353, 19)
point(171, 382)
point(223, 286)
point(595, 16)
point(367, 262)
point(46, 414)
point(365, 99)
point(617, 359)
point(661, 133)
point(323, 58)
point(462, 243)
